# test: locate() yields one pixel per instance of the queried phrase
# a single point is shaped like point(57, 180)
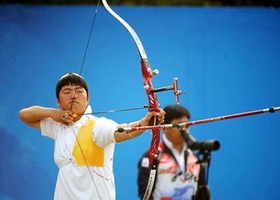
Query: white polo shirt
point(84, 154)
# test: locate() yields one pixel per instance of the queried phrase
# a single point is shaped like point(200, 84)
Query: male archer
point(84, 144)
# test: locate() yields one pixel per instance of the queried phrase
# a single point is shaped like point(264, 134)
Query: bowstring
point(89, 37)
point(80, 73)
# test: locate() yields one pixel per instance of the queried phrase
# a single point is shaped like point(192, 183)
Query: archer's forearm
point(34, 114)
point(122, 136)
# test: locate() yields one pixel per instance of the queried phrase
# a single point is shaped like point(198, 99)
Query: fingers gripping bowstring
point(80, 73)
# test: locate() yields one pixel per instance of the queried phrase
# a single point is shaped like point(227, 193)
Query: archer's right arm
point(34, 114)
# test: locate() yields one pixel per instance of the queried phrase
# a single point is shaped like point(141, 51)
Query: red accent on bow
point(147, 74)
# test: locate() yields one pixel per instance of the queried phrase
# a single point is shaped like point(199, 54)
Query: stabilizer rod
point(201, 121)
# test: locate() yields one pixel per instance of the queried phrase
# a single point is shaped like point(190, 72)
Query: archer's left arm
point(122, 136)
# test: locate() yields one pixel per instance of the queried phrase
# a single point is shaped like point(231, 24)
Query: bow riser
point(147, 74)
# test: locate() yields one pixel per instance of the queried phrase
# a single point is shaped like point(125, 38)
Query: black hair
point(175, 112)
point(70, 79)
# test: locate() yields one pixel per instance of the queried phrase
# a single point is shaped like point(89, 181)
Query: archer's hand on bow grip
point(156, 117)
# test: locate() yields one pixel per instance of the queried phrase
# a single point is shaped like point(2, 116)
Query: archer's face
point(74, 98)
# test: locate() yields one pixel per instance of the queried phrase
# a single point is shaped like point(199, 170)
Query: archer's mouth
point(72, 102)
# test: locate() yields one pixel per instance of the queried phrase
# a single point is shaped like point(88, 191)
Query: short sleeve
point(103, 131)
point(48, 127)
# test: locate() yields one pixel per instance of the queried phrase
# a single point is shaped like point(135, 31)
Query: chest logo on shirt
point(86, 151)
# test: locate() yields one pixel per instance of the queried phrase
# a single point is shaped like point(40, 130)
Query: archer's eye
point(80, 90)
point(66, 92)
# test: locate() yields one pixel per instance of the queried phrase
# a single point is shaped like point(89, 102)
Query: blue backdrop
point(226, 59)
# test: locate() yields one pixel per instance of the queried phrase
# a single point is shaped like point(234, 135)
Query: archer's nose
point(74, 95)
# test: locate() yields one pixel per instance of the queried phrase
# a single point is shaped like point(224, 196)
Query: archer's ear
point(57, 102)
